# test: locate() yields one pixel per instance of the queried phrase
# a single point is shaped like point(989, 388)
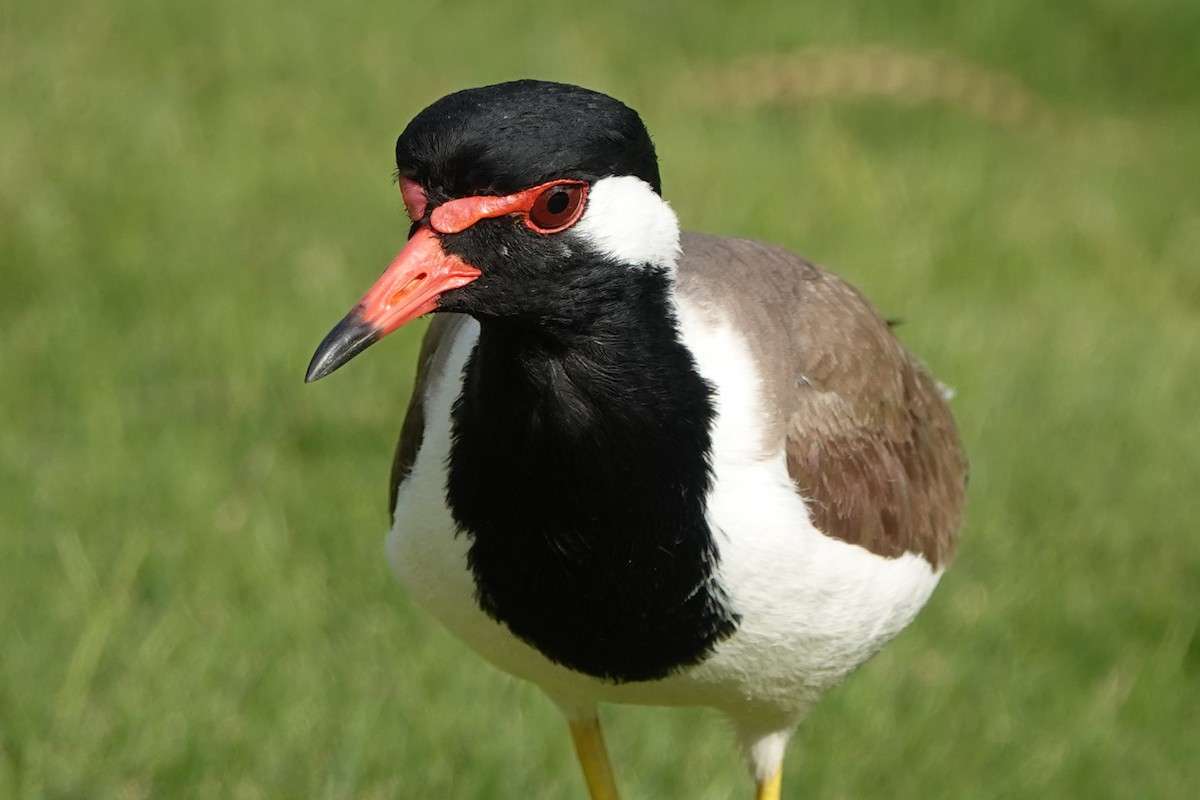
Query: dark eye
point(557, 208)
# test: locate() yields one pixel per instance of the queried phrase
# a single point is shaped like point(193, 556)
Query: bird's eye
point(558, 207)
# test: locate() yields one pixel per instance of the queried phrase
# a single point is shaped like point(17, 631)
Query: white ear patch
point(627, 221)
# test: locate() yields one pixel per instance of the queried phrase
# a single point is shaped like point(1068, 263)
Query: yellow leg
point(593, 757)
point(771, 787)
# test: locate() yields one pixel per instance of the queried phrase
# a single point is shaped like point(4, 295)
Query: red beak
point(408, 288)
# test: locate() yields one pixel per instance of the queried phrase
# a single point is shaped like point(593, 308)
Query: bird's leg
point(770, 788)
point(593, 758)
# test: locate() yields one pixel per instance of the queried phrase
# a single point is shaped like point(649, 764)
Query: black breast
point(579, 470)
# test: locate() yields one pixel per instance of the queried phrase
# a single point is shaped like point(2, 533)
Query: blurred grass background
point(194, 600)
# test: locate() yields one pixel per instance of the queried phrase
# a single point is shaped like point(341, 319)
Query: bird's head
point(526, 200)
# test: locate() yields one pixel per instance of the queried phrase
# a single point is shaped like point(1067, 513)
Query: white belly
point(811, 608)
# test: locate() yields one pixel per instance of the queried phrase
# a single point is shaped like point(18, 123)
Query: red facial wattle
point(422, 272)
point(414, 198)
point(457, 215)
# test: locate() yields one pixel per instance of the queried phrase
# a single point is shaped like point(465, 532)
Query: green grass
point(193, 595)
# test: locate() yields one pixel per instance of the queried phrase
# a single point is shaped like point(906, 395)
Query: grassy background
point(193, 595)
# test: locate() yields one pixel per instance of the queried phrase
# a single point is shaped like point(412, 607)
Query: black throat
point(579, 469)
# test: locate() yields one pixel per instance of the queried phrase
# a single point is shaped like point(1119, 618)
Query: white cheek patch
point(627, 221)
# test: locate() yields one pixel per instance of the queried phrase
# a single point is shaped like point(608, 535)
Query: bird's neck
point(620, 357)
point(580, 471)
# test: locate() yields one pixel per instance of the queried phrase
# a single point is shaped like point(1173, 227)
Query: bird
point(639, 465)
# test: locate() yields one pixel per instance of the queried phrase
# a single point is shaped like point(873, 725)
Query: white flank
point(812, 608)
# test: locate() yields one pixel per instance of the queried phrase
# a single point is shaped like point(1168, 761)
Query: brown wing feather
point(869, 440)
point(435, 347)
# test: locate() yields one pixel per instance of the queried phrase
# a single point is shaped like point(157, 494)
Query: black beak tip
point(347, 339)
point(316, 370)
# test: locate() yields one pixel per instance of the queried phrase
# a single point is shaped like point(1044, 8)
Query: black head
point(483, 173)
point(510, 136)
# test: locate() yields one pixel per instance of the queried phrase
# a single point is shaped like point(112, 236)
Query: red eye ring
point(557, 206)
point(540, 207)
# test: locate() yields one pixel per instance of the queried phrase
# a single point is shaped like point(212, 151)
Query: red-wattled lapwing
point(639, 466)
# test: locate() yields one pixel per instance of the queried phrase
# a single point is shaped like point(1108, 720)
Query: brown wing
point(435, 348)
point(869, 440)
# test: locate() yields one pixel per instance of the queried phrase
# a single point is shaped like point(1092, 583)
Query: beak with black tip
point(409, 288)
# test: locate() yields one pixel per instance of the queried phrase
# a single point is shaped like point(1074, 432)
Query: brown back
point(869, 439)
